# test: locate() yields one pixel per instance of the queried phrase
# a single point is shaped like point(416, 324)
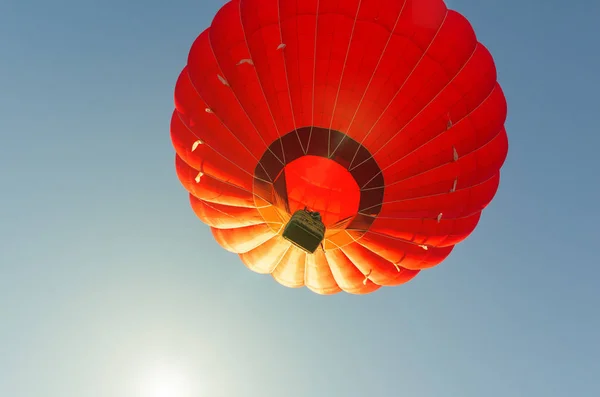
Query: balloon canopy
point(339, 145)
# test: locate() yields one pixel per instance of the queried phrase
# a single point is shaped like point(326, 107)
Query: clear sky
point(105, 273)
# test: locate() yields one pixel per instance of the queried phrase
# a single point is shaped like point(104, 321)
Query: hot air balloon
point(339, 145)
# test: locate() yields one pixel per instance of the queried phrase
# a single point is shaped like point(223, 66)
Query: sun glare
point(164, 381)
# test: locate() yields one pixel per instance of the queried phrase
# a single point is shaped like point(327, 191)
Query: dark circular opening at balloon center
point(322, 185)
point(302, 169)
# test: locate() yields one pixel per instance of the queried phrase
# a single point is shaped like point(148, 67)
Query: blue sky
point(105, 271)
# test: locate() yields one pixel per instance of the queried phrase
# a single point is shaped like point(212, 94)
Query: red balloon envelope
point(339, 145)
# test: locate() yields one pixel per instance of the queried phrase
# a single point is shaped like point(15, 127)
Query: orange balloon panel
point(385, 116)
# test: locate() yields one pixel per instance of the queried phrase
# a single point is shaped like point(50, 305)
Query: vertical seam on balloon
point(227, 128)
point(402, 240)
point(305, 271)
point(372, 77)
point(312, 107)
point(337, 95)
point(260, 85)
point(213, 149)
point(326, 78)
point(238, 100)
point(280, 258)
point(293, 265)
point(208, 204)
point(325, 256)
point(220, 154)
point(287, 81)
point(426, 106)
point(235, 186)
point(283, 254)
point(469, 188)
point(321, 268)
point(465, 117)
point(430, 219)
point(328, 240)
point(339, 247)
point(402, 86)
point(212, 206)
point(337, 285)
point(223, 181)
point(353, 263)
point(441, 165)
point(198, 187)
point(396, 265)
point(342, 76)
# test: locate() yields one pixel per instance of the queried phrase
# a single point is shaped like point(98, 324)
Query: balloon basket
point(305, 230)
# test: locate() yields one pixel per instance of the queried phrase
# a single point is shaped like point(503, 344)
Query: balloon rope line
point(211, 111)
point(460, 121)
point(242, 106)
point(262, 90)
point(287, 81)
point(466, 62)
point(399, 89)
point(337, 95)
point(200, 141)
point(371, 79)
point(462, 189)
point(312, 122)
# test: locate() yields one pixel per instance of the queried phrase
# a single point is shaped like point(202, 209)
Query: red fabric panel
point(324, 186)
